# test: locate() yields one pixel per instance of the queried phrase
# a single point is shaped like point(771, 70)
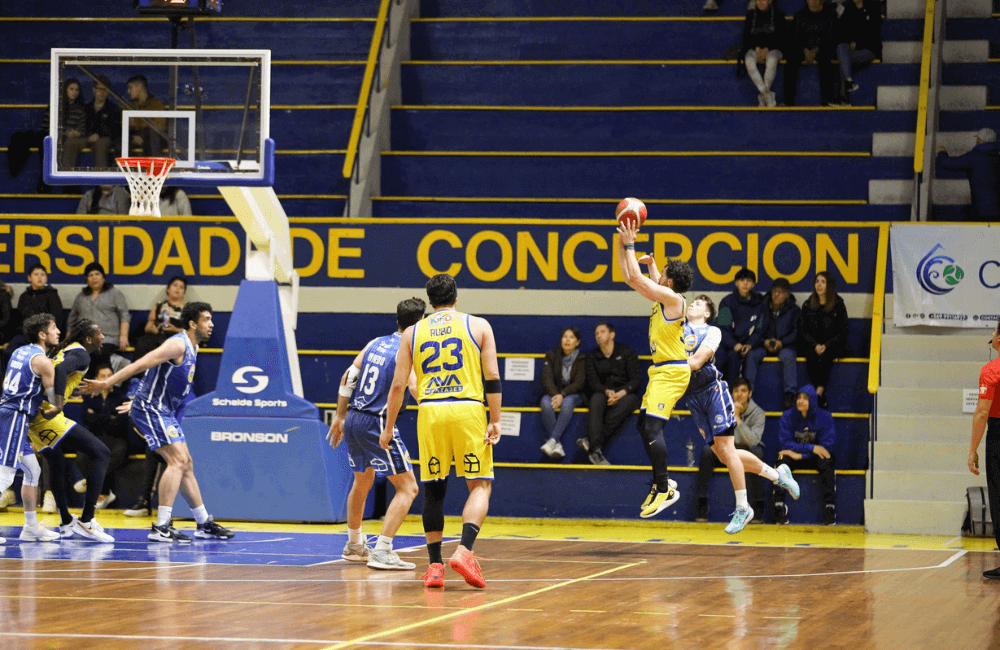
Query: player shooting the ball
point(669, 374)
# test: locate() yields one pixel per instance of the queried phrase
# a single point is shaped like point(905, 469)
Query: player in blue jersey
point(711, 406)
point(366, 384)
point(30, 376)
point(168, 375)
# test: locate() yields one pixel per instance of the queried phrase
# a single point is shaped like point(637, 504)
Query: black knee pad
point(433, 514)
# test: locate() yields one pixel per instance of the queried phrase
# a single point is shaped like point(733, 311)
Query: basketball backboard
point(213, 115)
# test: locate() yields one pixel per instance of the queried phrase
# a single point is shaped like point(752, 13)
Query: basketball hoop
point(145, 179)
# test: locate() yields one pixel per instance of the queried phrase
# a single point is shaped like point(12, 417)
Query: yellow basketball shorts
point(447, 430)
point(667, 385)
point(47, 433)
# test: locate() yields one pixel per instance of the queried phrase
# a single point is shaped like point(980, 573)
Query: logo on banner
point(239, 377)
point(929, 276)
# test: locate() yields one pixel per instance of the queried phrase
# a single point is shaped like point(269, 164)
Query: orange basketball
point(631, 209)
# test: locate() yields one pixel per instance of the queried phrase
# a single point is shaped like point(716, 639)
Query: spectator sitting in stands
point(775, 333)
point(144, 138)
point(812, 41)
point(749, 431)
point(860, 42)
point(563, 377)
point(822, 332)
point(101, 416)
point(805, 438)
point(159, 325)
point(8, 320)
point(102, 303)
point(72, 125)
point(174, 203)
point(737, 317)
point(104, 124)
point(982, 166)
point(613, 379)
point(38, 298)
point(763, 39)
point(105, 199)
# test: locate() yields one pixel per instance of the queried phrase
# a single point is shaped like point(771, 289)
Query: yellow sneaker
point(652, 493)
point(659, 502)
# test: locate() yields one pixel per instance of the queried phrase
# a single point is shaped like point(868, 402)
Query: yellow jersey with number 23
point(446, 358)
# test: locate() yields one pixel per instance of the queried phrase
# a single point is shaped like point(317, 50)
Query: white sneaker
point(549, 447)
point(80, 486)
point(771, 100)
point(105, 501)
point(761, 101)
point(91, 530)
point(356, 552)
point(38, 533)
point(710, 5)
point(388, 560)
point(49, 503)
point(3, 540)
point(67, 530)
point(7, 498)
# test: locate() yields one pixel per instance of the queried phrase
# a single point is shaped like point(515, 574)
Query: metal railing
point(362, 114)
point(929, 91)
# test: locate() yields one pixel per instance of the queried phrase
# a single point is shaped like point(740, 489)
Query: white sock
point(769, 473)
point(163, 514)
point(31, 518)
point(200, 514)
point(741, 499)
point(384, 543)
point(355, 536)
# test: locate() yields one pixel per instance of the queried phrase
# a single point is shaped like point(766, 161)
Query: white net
point(145, 179)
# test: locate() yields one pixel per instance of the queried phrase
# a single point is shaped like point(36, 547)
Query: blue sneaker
point(786, 481)
point(740, 519)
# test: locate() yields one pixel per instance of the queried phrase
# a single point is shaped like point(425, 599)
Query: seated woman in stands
point(822, 332)
point(763, 38)
point(563, 377)
point(159, 325)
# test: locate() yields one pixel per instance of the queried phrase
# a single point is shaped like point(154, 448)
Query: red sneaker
point(434, 576)
point(465, 564)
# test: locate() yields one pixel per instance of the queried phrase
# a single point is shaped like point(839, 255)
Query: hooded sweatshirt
point(800, 434)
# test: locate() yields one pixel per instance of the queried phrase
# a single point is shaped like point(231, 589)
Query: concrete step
point(890, 192)
point(920, 456)
point(914, 517)
point(928, 347)
point(952, 191)
point(954, 51)
point(910, 485)
point(919, 401)
point(952, 98)
point(934, 429)
point(956, 9)
point(930, 374)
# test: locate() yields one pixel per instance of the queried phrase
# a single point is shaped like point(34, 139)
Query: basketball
point(631, 209)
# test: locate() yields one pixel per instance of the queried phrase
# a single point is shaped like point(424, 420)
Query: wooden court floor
point(551, 584)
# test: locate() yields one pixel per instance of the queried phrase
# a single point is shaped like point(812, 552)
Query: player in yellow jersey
point(454, 356)
point(669, 373)
point(52, 438)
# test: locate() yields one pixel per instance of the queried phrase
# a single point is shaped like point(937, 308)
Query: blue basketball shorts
point(361, 433)
point(14, 441)
point(712, 410)
point(157, 427)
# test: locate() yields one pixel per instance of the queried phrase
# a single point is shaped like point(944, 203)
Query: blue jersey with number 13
point(378, 365)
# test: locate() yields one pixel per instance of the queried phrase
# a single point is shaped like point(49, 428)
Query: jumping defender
point(711, 406)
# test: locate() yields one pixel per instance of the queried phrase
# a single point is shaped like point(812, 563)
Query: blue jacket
point(787, 330)
point(800, 434)
point(737, 317)
point(982, 166)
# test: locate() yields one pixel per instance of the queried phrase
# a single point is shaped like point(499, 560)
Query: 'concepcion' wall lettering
point(372, 254)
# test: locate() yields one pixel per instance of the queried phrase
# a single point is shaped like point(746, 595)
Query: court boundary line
point(437, 619)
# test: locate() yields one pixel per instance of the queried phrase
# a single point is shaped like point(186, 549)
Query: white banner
point(945, 275)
